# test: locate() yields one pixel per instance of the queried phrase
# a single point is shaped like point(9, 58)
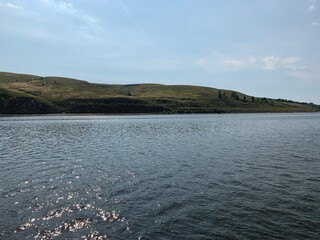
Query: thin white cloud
point(136, 23)
point(316, 23)
point(273, 63)
point(312, 8)
point(268, 63)
point(252, 59)
point(46, 1)
point(289, 66)
point(235, 63)
point(62, 6)
point(9, 5)
point(307, 74)
point(221, 63)
point(67, 7)
point(132, 18)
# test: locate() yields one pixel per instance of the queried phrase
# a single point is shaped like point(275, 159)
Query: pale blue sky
point(267, 48)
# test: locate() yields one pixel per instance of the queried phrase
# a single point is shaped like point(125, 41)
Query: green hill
point(23, 94)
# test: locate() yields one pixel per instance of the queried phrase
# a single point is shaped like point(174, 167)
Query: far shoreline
point(141, 114)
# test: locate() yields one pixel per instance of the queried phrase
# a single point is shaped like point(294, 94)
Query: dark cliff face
point(11, 104)
point(110, 105)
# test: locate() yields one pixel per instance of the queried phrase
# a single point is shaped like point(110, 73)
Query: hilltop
point(30, 94)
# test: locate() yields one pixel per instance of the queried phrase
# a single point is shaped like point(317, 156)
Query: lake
point(231, 176)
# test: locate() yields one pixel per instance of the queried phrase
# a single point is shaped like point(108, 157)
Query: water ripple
point(246, 176)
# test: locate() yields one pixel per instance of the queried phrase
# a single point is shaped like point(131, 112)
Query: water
point(237, 176)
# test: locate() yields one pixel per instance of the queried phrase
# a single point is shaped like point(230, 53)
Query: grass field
point(21, 93)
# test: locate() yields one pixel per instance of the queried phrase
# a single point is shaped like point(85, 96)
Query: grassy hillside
point(20, 93)
point(14, 102)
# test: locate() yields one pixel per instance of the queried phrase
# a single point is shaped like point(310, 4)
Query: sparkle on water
point(237, 176)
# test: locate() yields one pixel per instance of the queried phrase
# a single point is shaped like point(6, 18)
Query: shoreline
point(139, 114)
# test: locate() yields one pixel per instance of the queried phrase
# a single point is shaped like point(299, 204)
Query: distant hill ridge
point(30, 94)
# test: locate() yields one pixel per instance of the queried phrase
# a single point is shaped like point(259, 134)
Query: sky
point(266, 48)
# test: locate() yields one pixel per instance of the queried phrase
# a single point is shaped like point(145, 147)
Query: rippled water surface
point(244, 176)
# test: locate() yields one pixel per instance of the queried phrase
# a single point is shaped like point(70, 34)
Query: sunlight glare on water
point(235, 176)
